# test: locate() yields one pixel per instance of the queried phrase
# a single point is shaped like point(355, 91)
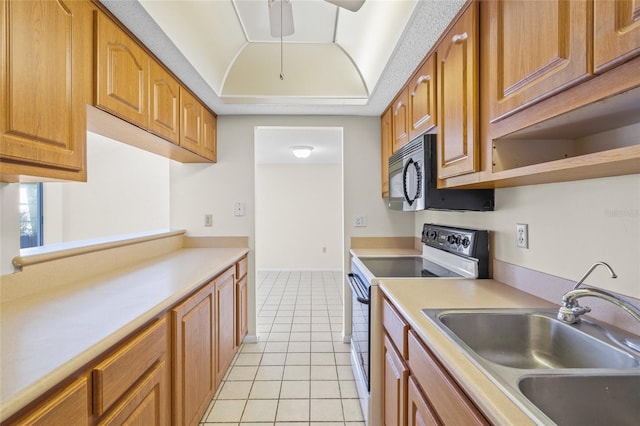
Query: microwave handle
point(357, 289)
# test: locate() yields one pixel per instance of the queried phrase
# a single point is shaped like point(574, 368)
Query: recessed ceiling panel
point(310, 70)
point(207, 33)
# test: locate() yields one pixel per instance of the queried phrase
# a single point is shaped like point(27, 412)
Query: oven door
point(360, 331)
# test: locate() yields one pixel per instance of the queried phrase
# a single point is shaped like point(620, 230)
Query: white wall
point(127, 191)
point(299, 217)
point(200, 189)
point(571, 226)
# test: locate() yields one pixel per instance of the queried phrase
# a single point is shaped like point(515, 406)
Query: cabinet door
point(443, 393)
point(46, 83)
point(209, 135)
point(145, 404)
point(422, 99)
point(164, 99)
point(386, 136)
point(458, 146)
point(401, 120)
point(225, 321)
point(539, 48)
point(419, 411)
point(617, 32)
point(122, 73)
point(242, 301)
point(194, 356)
point(190, 121)
point(68, 407)
point(395, 374)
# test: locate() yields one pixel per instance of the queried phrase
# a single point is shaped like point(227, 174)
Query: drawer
point(442, 392)
point(241, 268)
point(115, 375)
point(396, 327)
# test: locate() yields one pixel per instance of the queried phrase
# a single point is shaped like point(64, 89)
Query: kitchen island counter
point(411, 296)
point(48, 336)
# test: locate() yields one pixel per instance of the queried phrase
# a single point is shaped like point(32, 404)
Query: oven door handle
point(356, 287)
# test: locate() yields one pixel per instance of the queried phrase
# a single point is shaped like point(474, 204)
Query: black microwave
point(413, 182)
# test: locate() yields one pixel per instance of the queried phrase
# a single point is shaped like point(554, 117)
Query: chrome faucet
point(571, 310)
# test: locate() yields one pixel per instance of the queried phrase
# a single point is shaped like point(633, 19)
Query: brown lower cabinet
point(418, 390)
point(194, 355)
point(165, 373)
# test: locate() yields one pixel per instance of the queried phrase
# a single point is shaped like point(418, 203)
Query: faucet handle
point(570, 313)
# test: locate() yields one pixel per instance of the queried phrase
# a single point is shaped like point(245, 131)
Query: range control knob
point(451, 239)
point(432, 234)
point(458, 240)
point(466, 242)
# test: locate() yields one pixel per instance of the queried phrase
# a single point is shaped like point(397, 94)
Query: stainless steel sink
point(569, 399)
point(530, 340)
point(556, 372)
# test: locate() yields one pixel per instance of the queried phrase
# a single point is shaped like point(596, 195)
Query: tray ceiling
point(336, 62)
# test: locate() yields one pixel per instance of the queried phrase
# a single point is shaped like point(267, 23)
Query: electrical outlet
point(522, 235)
point(360, 221)
point(208, 219)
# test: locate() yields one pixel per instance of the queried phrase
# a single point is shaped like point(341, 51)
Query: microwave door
point(396, 185)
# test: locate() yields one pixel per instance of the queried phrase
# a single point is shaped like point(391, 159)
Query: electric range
point(447, 253)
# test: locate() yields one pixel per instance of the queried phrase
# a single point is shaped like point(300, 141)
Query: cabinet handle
point(459, 38)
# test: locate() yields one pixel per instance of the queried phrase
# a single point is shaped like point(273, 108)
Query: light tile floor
point(299, 373)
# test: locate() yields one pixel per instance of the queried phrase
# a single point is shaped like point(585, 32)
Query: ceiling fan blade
point(352, 5)
point(280, 18)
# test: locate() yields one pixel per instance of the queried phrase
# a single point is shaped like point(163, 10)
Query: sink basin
point(532, 341)
point(569, 400)
point(555, 372)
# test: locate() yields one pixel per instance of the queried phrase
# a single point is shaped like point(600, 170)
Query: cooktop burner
point(405, 267)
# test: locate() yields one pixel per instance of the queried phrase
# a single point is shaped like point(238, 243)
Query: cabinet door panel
point(458, 146)
point(46, 82)
point(242, 303)
point(123, 73)
point(164, 103)
point(67, 407)
point(194, 356)
point(617, 32)
point(395, 375)
point(225, 321)
point(209, 135)
point(420, 413)
point(145, 404)
point(401, 120)
point(386, 130)
point(554, 36)
point(190, 121)
point(443, 393)
point(422, 99)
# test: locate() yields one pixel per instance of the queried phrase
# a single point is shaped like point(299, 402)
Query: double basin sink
point(568, 374)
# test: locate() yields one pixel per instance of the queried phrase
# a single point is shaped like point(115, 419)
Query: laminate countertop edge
point(71, 326)
point(411, 296)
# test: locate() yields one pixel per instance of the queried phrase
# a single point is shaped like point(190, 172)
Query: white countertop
point(46, 337)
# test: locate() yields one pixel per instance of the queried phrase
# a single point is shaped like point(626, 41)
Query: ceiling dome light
point(301, 151)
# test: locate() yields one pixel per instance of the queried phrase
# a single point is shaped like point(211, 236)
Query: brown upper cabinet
point(386, 148)
point(164, 95)
point(422, 99)
point(123, 68)
point(400, 119)
point(538, 49)
point(47, 80)
point(197, 126)
point(457, 74)
point(617, 32)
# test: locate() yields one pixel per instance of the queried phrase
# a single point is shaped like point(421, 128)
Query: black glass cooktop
point(404, 267)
